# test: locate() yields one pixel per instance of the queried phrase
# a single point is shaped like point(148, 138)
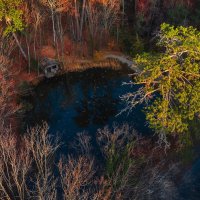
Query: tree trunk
point(19, 45)
point(82, 20)
point(53, 23)
point(29, 59)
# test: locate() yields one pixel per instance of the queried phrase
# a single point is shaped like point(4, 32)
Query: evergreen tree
point(170, 80)
point(11, 15)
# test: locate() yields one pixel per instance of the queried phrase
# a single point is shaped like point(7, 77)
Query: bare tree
point(14, 168)
point(94, 15)
point(76, 175)
point(7, 89)
point(43, 150)
point(110, 13)
point(19, 179)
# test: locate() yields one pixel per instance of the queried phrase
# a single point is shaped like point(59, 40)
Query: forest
point(99, 99)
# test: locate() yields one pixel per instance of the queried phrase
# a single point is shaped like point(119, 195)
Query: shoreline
point(107, 61)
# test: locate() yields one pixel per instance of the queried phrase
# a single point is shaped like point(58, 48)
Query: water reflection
point(97, 110)
point(98, 103)
point(83, 101)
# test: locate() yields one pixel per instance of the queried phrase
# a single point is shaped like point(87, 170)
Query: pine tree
point(170, 81)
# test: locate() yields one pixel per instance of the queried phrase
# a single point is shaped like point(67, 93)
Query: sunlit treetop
point(170, 81)
point(11, 15)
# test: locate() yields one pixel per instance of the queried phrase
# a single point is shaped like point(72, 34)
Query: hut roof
point(48, 62)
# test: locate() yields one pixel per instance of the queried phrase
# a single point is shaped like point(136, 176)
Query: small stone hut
point(50, 67)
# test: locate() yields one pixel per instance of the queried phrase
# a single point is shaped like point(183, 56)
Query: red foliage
point(143, 6)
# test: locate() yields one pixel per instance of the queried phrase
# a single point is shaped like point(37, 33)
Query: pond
point(87, 101)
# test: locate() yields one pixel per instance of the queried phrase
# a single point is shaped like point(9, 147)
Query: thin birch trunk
point(19, 45)
point(28, 49)
point(77, 20)
point(82, 20)
point(53, 23)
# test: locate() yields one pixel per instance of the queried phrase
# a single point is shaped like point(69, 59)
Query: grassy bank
point(75, 64)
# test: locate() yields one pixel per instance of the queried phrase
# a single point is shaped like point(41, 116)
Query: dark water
point(86, 101)
point(90, 100)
